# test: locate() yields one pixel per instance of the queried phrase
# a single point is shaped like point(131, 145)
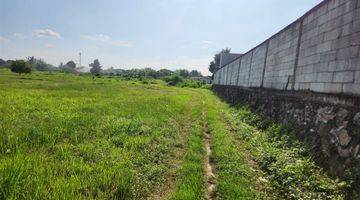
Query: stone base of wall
point(330, 123)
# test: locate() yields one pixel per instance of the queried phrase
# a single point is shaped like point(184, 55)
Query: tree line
point(33, 64)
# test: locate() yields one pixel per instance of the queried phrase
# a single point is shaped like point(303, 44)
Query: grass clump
point(290, 168)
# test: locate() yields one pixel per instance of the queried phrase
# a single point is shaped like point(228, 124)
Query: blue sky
point(140, 33)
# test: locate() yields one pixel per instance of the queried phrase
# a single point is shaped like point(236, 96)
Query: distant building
point(82, 69)
point(225, 58)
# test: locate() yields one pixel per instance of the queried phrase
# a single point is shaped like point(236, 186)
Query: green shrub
point(20, 66)
point(173, 80)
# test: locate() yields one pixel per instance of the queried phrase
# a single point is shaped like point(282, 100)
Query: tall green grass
point(234, 176)
point(65, 136)
point(190, 182)
point(79, 137)
point(290, 168)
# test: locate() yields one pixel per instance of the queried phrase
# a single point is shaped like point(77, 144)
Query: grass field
point(66, 136)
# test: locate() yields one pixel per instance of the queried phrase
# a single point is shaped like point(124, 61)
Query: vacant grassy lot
point(66, 136)
point(77, 137)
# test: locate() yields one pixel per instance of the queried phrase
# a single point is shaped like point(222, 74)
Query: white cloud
point(20, 35)
point(202, 44)
point(105, 39)
point(46, 33)
point(49, 45)
point(4, 40)
point(207, 42)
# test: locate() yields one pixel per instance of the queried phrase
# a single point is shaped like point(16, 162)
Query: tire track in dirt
point(209, 173)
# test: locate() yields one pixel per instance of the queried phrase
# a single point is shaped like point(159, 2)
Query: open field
point(66, 136)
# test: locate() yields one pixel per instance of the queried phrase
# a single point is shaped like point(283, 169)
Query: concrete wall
point(258, 65)
point(319, 52)
point(280, 61)
point(244, 70)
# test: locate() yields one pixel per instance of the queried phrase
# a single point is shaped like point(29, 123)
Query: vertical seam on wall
point(263, 72)
point(251, 59)
point(227, 74)
point(297, 55)
point(231, 73)
point(238, 74)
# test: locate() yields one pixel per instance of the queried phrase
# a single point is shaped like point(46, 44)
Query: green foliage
point(164, 72)
point(184, 73)
point(290, 168)
point(173, 80)
point(353, 176)
point(95, 67)
point(39, 64)
point(20, 66)
point(212, 67)
point(191, 83)
point(195, 73)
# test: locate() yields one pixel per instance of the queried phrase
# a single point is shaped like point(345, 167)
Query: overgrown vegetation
point(190, 183)
point(290, 168)
point(175, 80)
point(235, 177)
point(67, 136)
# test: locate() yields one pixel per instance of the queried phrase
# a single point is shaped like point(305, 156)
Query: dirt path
point(209, 174)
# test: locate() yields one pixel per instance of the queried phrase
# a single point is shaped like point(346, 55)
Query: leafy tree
point(195, 73)
point(37, 64)
point(61, 65)
point(69, 67)
point(71, 64)
point(31, 60)
point(95, 67)
point(212, 67)
point(182, 72)
point(20, 66)
point(164, 72)
point(41, 65)
point(150, 73)
point(2, 62)
point(8, 63)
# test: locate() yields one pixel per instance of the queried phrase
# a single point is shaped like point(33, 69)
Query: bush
point(173, 80)
point(20, 66)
